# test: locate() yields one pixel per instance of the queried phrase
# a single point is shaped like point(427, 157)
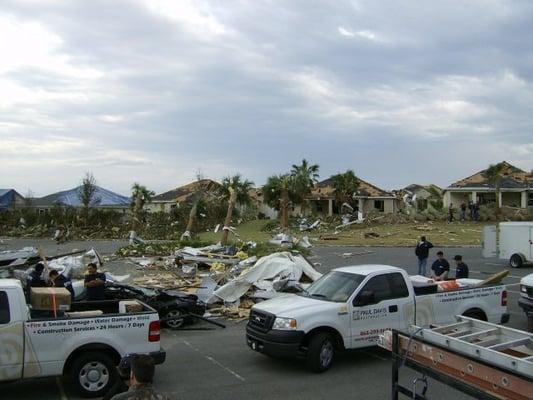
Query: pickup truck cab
point(526, 290)
point(350, 307)
point(82, 344)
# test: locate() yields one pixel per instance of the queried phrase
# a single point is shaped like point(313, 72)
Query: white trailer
point(511, 241)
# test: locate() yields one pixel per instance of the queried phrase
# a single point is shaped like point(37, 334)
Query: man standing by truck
point(440, 267)
point(422, 252)
point(461, 269)
point(94, 282)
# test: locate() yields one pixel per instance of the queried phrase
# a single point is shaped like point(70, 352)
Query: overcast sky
point(155, 91)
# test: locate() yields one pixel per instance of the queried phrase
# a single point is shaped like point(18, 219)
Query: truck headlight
point(523, 289)
point(285, 324)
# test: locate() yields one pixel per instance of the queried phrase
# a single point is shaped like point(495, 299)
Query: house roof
point(325, 189)
point(414, 187)
point(102, 197)
point(7, 196)
point(186, 192)
point(512, 178)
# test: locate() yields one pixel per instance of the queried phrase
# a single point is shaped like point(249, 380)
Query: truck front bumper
point(159, 357)
point(526, 304)
point(276, 343)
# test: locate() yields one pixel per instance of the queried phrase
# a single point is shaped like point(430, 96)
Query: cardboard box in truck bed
point(43, 298)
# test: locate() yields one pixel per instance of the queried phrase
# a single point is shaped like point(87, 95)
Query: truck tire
point(179, 320)
point(516, 261)
point(476, 314)
point(321, 352)
point(93, 373)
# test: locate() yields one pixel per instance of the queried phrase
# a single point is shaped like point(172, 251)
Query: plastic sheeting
point(282, 265)
point(74, 266)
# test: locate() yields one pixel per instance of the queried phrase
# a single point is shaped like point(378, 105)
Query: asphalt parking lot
point(207, 364)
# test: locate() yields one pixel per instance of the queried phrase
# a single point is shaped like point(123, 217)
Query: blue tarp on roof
point(71, 198)
point(7, 197)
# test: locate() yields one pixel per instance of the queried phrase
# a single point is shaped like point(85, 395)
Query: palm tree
point(345, 185)
point(140, 195)
point(198, 205)
point(306, 176)
point(278, 193)
point(494, 174)
point(234, 190)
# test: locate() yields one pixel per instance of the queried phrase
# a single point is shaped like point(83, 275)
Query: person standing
point(471, 209)
point(476, 211)
point(95, 283)
point(440, 267)
point(141, 378)
point(450, 213)
point(35, 279)
point(463, 211)
point(422, 253)
point(461, 269)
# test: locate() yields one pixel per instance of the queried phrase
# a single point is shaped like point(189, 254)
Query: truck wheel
point(476, 314)
point(320, 353)
point(178, 321)
point(516, 261)
point(93, 374)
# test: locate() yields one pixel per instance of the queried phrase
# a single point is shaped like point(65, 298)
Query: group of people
point(473, 208)
point(94, 281)
point(440, 268)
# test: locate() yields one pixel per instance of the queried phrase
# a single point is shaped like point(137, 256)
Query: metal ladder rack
point(485, 360)
point(496, 344)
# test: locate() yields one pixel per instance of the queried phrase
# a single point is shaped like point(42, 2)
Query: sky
point(161, 91)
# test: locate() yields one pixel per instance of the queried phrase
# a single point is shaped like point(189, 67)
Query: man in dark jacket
point(59, 280)
point(94, 282)
point(422, 252)
point(461, 269)
point(440, 267)
point(35, 279)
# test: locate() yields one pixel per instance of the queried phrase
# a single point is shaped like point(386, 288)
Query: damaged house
point(10, 199)
point(367, 198)
point(165, 202)
point(516, 189)
point(102, 199)
point(418, 197)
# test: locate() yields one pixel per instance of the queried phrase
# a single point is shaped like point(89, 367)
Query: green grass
point(440, 233)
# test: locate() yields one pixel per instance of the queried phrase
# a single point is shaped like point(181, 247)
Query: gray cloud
point(151, 91)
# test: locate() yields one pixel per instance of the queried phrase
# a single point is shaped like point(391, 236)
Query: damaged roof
point(416, 187)
point(102, 198)
point(185, 193)
point(325, 189)
point(512, 178)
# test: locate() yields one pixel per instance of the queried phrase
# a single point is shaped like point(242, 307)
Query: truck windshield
point(334, 286)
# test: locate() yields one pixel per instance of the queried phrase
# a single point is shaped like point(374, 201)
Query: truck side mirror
point(364, 298)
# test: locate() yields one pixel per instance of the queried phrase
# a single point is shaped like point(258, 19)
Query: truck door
point(378, 306)
point(11, 339)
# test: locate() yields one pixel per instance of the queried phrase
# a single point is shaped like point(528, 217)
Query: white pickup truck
point(85, 347)
point(526, 299)
point(350, 307)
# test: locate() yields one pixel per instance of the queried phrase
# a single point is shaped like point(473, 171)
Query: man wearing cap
point(440, 267)
point(141, 378)
point(461, 269)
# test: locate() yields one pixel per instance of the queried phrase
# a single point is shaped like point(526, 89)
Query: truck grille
point(529, 291)
point(261, 321)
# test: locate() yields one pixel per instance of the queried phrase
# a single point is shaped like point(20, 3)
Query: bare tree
point(87, 196)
